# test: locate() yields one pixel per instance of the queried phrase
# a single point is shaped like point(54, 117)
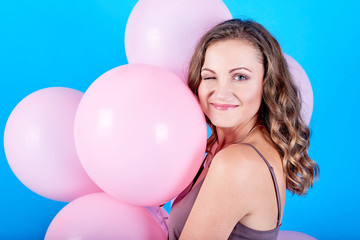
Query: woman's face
point(231, 85)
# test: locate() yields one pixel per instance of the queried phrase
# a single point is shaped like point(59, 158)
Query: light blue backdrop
point(70, 43)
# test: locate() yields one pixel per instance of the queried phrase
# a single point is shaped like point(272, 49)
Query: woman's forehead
point(232, 53)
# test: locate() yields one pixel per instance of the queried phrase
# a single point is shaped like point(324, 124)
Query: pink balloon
point(161, 215)
point(165, 32)
point(40, 148)
point(292, 235)
point(140, 134)
point(99, 216)
point(303, 83)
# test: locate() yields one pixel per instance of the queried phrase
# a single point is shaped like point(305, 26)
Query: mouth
point(223, 106)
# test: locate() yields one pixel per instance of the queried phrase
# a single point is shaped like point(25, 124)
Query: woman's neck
point(227, 136)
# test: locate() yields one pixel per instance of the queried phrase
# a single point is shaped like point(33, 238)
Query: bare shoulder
point(240, 166)
point(234, 172)
point(238, 160)
point(225, 194)
point(234, 189)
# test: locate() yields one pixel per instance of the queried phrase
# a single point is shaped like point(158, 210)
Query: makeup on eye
point(236, 76)
point(210, 74)
point(240, 77)
point(208, 78)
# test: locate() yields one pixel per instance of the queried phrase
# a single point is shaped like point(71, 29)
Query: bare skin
point(237, 186)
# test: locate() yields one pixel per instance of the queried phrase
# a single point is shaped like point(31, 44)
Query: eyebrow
point(239, 68)
point(232, 70)
point(207, 69)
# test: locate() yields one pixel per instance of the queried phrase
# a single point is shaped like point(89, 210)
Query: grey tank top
point(182, 206)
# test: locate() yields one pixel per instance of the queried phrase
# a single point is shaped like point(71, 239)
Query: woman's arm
point(224, 198)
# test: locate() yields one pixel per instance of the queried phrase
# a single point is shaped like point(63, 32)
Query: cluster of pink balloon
point(136, 138)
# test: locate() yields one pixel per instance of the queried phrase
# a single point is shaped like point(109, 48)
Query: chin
point(223, 124)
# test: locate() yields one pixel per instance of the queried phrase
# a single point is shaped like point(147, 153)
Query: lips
point(223, 106)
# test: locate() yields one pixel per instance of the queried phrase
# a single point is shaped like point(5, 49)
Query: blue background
point(70, 43)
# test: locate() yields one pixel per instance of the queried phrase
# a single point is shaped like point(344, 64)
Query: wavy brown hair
point(280, 106)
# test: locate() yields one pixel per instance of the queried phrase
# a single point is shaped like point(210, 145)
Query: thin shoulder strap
point(274, 180)
point(198, 173)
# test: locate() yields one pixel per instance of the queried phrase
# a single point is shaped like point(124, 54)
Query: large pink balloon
point(140, 134)
point(39, 145)
point(99, 216)
point(165, 32)
point(303, 83)
point(292, 235)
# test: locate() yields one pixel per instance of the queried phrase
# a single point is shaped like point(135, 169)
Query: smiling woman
point(259, 143)
point(231, 88)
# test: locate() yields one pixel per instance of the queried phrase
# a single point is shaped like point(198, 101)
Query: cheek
point(203, 96)
point(203, 102)
point(252, 95)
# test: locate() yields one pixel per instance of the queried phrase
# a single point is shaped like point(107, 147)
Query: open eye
point(240, 77)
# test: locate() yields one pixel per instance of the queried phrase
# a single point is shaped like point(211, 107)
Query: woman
point(259, 143)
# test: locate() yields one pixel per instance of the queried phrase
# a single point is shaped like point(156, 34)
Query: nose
point(223, 91)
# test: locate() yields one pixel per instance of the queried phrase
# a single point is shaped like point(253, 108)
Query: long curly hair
point(280, 106)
